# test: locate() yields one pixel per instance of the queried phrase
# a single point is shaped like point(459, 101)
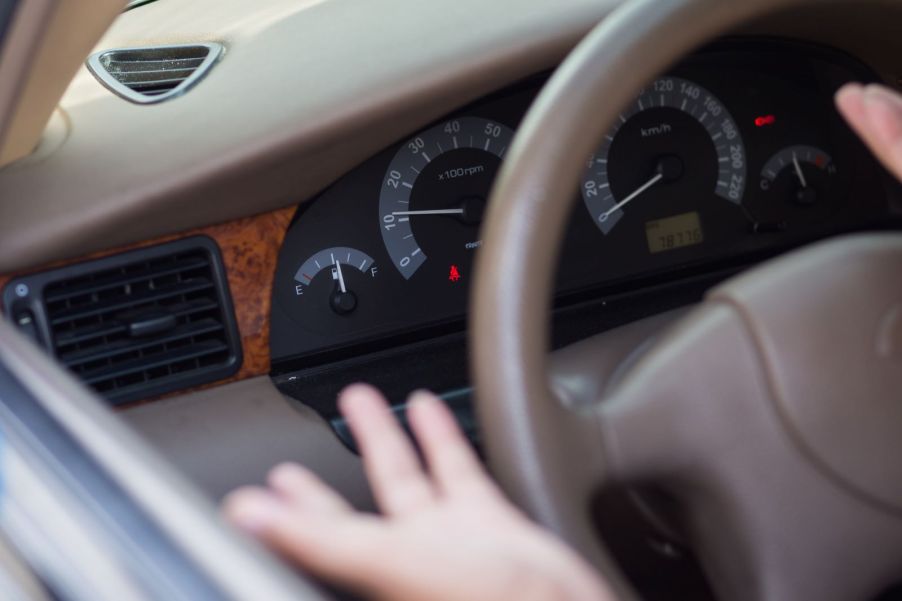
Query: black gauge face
point(434, 195)
point(677, 150)
point(335, 289)
point(799, 186)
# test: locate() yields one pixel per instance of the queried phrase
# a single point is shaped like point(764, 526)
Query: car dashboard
point(735, 155)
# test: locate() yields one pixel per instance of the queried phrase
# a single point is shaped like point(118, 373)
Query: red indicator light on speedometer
point(454, 274)
point(765, 120)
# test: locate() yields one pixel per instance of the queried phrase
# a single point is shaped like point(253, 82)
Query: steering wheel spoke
point(696, 415)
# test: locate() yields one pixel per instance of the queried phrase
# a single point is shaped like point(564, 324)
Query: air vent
point(154, 74)
point(135, 325)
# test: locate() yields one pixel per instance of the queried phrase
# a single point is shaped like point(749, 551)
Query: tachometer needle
point(799, 172)
point(433, 212)
point(341, 278)
point(604, 216)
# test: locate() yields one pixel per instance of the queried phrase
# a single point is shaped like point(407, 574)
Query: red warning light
point(454, 274)
point(765, 120)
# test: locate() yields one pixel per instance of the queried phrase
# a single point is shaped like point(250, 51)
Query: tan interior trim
point(214, 437)
point(48, 40)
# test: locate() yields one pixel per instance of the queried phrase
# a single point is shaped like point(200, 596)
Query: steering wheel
point(772, 412)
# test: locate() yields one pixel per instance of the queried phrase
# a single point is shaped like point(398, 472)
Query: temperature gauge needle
point(341, 278)
point(604, 216)
point(799, 172)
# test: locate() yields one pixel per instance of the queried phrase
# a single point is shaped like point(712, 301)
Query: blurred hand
point(447, 534)
point(875, 113)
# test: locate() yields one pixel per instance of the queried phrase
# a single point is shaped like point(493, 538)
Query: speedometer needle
point(433, 212)
point(341, 278)
point(604, 216)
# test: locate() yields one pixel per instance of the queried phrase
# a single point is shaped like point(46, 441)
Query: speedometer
point(673, 151)
point(434, 194)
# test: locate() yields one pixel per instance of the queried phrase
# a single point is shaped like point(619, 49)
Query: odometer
point(434, 194)
point(674, 232)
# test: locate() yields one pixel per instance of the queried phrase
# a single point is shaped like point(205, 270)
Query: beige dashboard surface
point(307, 89)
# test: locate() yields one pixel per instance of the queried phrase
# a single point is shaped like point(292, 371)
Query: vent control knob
point(25, 321)
point(151, 323)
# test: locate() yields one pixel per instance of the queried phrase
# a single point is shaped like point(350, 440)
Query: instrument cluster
point(735, 154)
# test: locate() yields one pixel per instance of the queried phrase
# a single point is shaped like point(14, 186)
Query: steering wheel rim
point(528, 428)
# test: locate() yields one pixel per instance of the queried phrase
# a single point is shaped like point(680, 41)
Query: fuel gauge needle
point(432, 212)
point(799, 172)
point(341, 278)
point(604, 216)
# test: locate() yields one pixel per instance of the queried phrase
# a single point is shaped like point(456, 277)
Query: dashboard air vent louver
point(138, 324)
point(153, 74)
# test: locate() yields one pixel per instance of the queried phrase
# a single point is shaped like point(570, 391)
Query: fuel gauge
point(334, 291)
point(335, 278)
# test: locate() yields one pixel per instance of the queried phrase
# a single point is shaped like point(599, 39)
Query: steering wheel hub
point(825, 323)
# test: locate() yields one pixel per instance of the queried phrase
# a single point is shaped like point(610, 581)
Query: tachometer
point(434, 194)
point(673, 149)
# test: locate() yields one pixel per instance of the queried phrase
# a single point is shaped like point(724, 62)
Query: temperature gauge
point(798, 187)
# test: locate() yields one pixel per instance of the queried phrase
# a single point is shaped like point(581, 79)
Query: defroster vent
point(135, 325)
point(153, 74)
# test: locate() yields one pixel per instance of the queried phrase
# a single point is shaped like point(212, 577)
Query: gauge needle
point(799, 172)
point(434, 212)
point(341, 278)
point(604, 216)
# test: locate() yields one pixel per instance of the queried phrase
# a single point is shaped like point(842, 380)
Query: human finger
point(304, 489)
point(452, 462)
point(398, 481)
point(875, 113)
point(347, 549)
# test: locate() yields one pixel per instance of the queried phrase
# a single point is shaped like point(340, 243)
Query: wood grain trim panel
point(250, 248)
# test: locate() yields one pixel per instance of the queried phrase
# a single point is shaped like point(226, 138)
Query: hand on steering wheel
point(446, 534)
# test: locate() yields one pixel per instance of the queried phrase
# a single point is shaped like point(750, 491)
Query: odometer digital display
point(674, 232)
